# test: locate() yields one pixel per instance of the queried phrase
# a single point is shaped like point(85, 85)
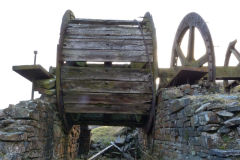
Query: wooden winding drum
point(106, 71)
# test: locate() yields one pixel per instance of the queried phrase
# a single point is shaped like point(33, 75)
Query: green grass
point(105, 134)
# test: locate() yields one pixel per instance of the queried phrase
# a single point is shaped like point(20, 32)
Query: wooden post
point(84, 140)
point(35, 59)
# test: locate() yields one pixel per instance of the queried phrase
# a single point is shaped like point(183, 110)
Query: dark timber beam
point(32, 72)
point(222, 73)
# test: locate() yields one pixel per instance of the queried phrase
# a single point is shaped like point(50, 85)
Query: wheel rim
point(190, 22)
point(230, 50)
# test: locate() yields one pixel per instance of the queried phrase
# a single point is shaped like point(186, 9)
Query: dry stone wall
point(196, 124)
point(33, 130)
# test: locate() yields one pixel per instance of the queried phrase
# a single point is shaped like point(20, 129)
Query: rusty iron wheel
point(231, 49)
point(190, 22)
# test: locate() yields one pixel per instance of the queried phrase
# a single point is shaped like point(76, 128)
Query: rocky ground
point(197, 123)
point(192, 122)
point(124, 138)
point(33, 130)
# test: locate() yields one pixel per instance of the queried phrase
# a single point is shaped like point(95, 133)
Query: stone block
point(171, 93)
point(178, 104)
point(202, 154)
point(186, 89)
point(209, 140)
point(224, 130)
point(194, 141)
point(13, 136)
point(233, 107)
point(203, 107)
point(17, 112)
point(208, 128)
point(232, 122)
point(224, 153)
point(179, 123)
point(181, 114)
point(2, 115)
point(189, 110)
point(187, 124)
point(206, 117)
point(225, 113)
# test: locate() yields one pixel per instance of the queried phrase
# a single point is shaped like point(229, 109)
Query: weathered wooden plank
point(96, 73)
point(105, 31)
point(106, 98)
point(107, 109)
point(109, 123)
point(135, 120)
point(188, 75)
point(32, 72)
point(227, 73)
point(91, 86)
point(143, 65)
point(222, 73)
point(97, 64)
point(106, 55)
point(108, 22)
point(110, 45)
point(79, 25)
point(113, 65)
point(121, 28)
point(109, 41)
point(152, 113)
point(111, 37)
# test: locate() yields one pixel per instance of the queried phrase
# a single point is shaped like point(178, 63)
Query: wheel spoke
point(201, 61)
point(236, 54)
point(190, 52)
point(181, 55)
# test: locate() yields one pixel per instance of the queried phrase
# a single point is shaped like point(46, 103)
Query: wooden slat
point(105, 55)
point(115, 31)
point(74, 25)
point(188, 75)
point(76, 86)
point(32, 72)
point(108, 119)
point(76, 42)
point(101, 45)
point(108, 22)
point(227, 73)
point(110, 37)
point(96, 73)
point(222, 73)
point(109, 123)
point(109, 109)
point(106, 98)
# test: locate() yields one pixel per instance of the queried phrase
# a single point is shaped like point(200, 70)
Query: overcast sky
point(29, 25)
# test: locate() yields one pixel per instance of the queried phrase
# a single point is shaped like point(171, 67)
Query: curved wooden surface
point(231, 50)
point(106, 94)
point(148, 20)
point(190, 22)
point(67, 17)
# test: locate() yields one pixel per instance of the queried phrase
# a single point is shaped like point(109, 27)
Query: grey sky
point(29, 25)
